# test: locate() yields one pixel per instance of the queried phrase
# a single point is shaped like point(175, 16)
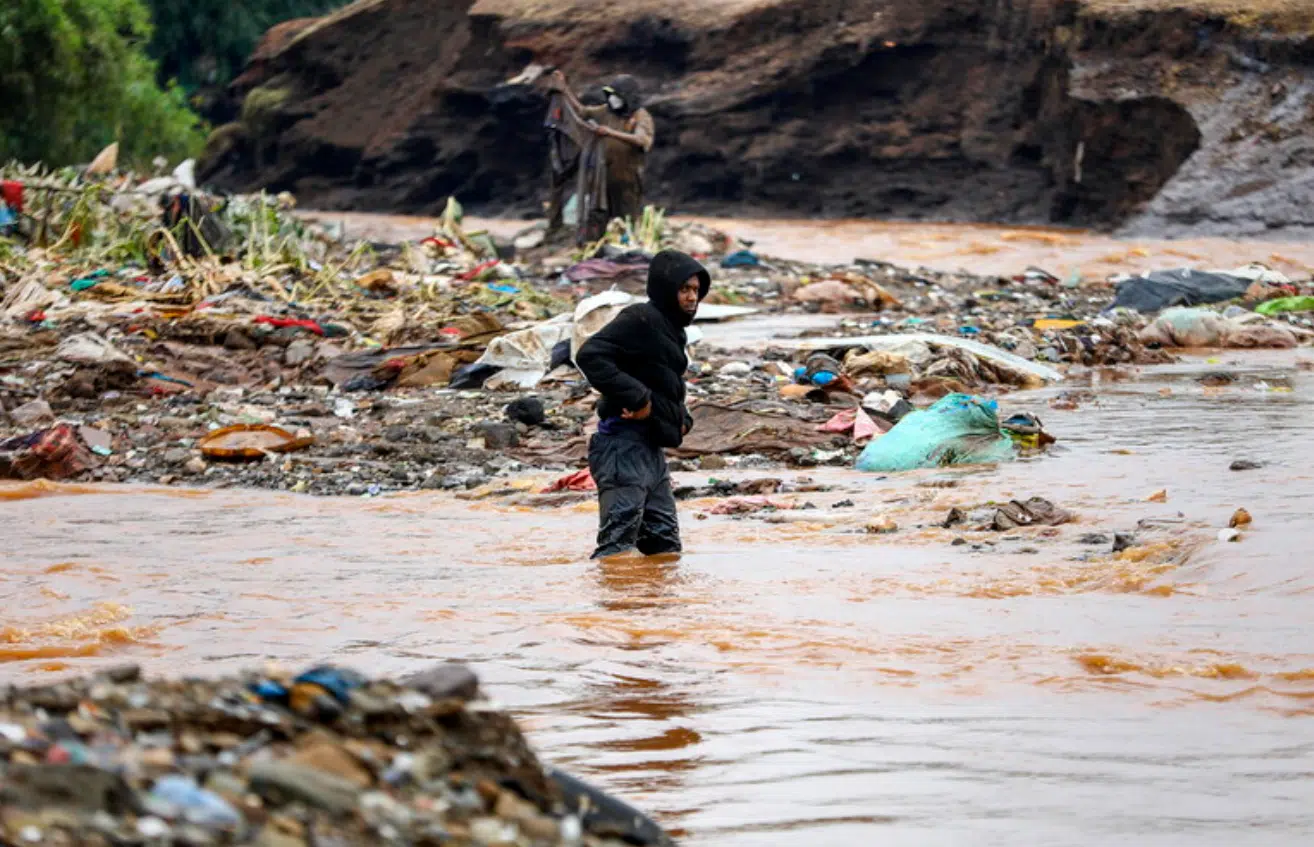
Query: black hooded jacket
point(639, 356)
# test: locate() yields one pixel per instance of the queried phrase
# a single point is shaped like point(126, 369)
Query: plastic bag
point(958, 430)
point(1187, 328)
point(1286, 304)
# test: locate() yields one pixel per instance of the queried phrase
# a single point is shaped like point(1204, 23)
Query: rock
point(236, 339)
point(449, 680)
point(195, 466)
point(65, 786)
point(493, 832)
point(525, 814)
point(802, 457)
point(89, 349)
point(882, 526)
point(736, 370)
point(1240, 519)
point(498, 436)
point(1094, 539)
point(713, 463)
point(157, 758)
point(796, 392)
point(1123, 541)
point(1246, 465)
point(530, 240)
point(177, 456)
point(526, 410)
point(282, 782)
point(299, 352)
point(97, 440)
point(32, 415)
point(381, 810)
point(122, 674)
point(333, 759)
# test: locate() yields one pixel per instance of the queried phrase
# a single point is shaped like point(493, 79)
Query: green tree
point(75, 76)
point(204, 43)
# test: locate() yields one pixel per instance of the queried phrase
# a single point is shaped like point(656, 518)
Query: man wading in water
point(638, 362)
point(625, 132)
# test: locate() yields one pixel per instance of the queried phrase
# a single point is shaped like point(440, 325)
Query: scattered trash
point(1034, 512)
point(577, 481)
point(1158, 497)
point(89, 349)
point(1203, 328)
point(32, 414)
point(855, 421)
point(741, 259)
point(738, 429)
point(957, 430)
point(250, 441)
point(56, 454)
point(888, 405)
point(1283, 305)
point(748, 505)
point(1240, 519)
point(1161, 290)
point(1025, 370)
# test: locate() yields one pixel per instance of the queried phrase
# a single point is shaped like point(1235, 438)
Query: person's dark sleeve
point(599, 359)
point(688, 421)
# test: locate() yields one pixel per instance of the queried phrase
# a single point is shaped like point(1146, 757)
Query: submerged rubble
point(324, 757)
point(150, 333)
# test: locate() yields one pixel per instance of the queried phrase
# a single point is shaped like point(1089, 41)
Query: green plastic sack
point(1286, 304)
point(958, 430)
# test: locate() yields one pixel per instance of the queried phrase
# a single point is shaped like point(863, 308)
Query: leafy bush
point(206, 42)
point(74, 77)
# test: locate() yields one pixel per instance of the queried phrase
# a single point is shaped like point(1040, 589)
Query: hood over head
point(668, 271)
point(627, 88)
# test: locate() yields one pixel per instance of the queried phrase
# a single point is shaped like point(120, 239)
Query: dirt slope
point(987, 110)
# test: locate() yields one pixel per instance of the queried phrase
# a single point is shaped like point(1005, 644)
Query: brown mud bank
point(1147, 116)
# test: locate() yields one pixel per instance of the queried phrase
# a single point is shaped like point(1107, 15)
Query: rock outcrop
point(1027, 111)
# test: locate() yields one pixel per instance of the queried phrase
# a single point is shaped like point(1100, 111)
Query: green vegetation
point(206, 42)
point(75, 76)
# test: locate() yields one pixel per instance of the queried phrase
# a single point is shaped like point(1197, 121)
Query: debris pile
point(150, 332)
point(324, 757)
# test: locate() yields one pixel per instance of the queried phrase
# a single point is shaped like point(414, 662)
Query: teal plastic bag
point(958, 430)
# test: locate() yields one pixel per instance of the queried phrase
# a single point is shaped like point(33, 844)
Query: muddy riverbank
point(1180, 119)
point(792, 676)
point(980, 248)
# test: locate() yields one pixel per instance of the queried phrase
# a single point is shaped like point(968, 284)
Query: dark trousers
point(636, 507)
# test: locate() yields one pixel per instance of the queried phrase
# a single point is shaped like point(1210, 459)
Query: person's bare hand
point(599, 130)
point(556, 81)
point(640, 415)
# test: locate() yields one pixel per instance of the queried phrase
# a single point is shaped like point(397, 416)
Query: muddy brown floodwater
point(979, 248)
point(800, 682)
